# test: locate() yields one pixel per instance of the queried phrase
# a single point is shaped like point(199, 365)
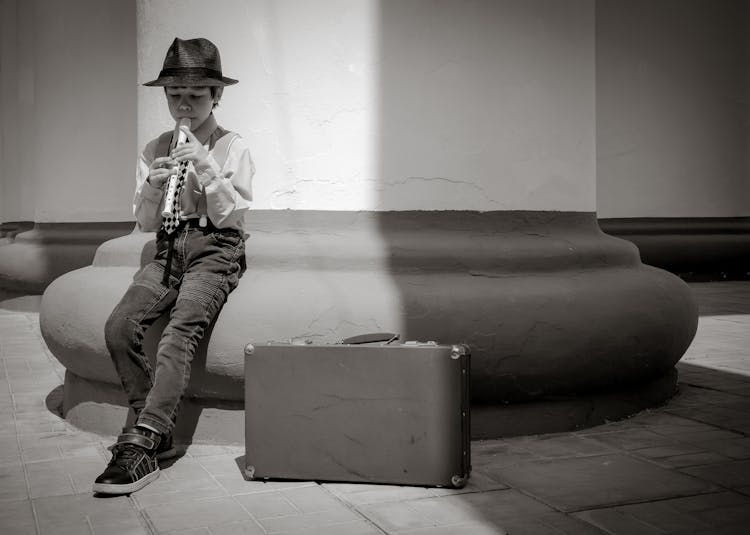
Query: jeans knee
point(118, 332)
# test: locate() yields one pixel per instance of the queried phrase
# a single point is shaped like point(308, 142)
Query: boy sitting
point(200, 257)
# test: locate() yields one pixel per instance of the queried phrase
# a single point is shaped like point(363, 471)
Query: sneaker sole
point(106, 488)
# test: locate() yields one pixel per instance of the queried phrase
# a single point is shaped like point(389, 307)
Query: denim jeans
point(206, 266)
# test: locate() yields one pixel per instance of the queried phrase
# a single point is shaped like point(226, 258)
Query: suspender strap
point(219, 142)
point(162, 145)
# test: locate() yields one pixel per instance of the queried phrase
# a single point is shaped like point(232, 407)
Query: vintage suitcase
point(377, 413)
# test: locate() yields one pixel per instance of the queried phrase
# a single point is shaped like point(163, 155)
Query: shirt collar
point(204, 131)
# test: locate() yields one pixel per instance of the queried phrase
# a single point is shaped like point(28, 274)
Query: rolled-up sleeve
point(228, 189)
point(148, 200)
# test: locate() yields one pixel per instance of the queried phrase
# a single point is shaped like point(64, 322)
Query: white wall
point(68, 110)
point(387, 105)
point(367, 104)
point(673, 108)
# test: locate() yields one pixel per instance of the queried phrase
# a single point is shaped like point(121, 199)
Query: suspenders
point(219, 142)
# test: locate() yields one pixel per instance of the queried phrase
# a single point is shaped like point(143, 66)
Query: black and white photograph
point(374, 267)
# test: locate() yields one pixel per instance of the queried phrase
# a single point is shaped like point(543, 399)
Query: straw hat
point(190, 63)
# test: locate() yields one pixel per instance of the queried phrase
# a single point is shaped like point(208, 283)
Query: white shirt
point(221, 192)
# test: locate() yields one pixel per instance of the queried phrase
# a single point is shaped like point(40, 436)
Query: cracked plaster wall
point(365, 104)
point(384, 105)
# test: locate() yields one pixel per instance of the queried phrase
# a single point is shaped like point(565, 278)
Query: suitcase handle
point(371, 338)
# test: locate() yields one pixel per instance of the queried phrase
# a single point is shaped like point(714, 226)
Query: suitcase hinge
point(462, 350)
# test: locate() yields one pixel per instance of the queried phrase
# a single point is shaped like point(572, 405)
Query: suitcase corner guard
point(459, 482)
point(250, 472)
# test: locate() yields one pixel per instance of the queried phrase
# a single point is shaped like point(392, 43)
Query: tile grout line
point(645, 501)
point(142, 518)
point(252, 516)
point(20, 454)
point(617, 450)
point(630, 516)
point(353, 508)
point(744, 434)
point(231, 496)
point(89, 524)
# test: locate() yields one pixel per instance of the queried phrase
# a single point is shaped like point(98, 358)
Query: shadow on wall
point(551, 305)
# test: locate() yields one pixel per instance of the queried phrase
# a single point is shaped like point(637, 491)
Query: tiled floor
point(684, 468)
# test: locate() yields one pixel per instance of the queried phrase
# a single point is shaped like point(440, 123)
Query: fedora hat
point(190, 63)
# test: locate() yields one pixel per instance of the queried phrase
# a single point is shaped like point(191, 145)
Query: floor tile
point(9, 452)
point(238, 528)
point(636, 439)
point(195, 513)
point(703, 512)
point(64, 476)
point(367, 494)
point(165, 491)
point(82, 513)
point(580, 483)
point(495, 506)
point(14, 487)
point(735, 449)
point(691, 459)
point(682, 466)
point(467, 528)
point(733, 474)
point(320, 521)
point(356, 527)
point(17, 518)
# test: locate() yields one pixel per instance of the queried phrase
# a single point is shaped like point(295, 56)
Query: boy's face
point(193, 102)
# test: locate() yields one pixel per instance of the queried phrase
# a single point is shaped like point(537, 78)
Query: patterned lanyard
point(171, 211)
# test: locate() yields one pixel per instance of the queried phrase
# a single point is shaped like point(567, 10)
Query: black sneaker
point(133, 464)
point(165, 450)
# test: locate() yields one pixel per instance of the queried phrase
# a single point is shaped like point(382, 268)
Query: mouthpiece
point(179, 136)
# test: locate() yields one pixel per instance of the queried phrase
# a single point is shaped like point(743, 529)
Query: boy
point(196, 266)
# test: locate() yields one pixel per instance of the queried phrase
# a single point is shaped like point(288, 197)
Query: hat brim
point(190, 81)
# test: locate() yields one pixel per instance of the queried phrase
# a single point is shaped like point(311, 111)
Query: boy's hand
point(192, 150)
point(160, 170)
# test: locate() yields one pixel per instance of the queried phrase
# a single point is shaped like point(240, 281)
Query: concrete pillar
point(68, 134)
point(673, 132)
point(426, 168)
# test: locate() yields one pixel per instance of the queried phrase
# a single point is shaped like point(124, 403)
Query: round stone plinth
point(553, 309)
point(32, 257)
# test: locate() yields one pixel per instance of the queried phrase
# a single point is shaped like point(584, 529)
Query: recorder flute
point(174, 179)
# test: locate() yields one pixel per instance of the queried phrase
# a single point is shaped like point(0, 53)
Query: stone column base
point(559, 315)
point(33, 255)
point(102, 408)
